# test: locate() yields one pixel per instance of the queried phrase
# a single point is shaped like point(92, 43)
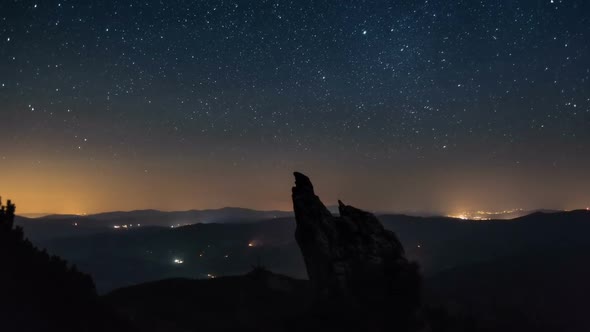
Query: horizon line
point(36, 215)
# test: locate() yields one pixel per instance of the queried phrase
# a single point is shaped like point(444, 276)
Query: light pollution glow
point(85, 187)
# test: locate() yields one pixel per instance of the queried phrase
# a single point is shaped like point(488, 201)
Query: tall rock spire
point(352, 258)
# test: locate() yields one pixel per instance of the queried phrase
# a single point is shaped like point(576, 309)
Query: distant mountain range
point(58, 225)
point(225, 214)
point(232, 214)
point(119, 257)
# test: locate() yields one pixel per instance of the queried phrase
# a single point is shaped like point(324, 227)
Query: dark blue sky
point(393, 105)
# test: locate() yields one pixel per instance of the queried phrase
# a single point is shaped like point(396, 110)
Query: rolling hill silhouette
point(498, 276)
point(523, 274)
point(56, 225)
point(118, 259)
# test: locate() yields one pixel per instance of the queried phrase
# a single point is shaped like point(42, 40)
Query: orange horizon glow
point(94, 186)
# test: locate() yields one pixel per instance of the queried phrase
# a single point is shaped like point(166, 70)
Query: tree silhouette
point(6, 216)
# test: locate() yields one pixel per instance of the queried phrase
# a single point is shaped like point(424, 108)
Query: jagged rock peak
point(302, 183)
point(352, 258)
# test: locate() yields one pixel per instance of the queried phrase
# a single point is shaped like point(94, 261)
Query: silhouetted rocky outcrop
point(352, 260)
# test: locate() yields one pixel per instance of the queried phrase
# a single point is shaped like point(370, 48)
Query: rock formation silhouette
point(351, 259)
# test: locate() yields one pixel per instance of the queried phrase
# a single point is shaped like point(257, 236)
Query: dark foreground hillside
point(541, 291)
point(39, 292)
point(546, 291)
point(258, 301)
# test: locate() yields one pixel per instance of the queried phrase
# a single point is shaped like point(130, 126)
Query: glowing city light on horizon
point(487, 215)
point(124, 226)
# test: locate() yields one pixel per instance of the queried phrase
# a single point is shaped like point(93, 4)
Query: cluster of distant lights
point(477, 216)
point(125, 226)
point(139, 225)
point(180, 261)
point(482, 215)
point(467, 217)
point(179, 225)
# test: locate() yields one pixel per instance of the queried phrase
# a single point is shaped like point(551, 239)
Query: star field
point(474, 102)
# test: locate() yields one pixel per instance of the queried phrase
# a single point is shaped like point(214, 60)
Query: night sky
point(389, 105)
